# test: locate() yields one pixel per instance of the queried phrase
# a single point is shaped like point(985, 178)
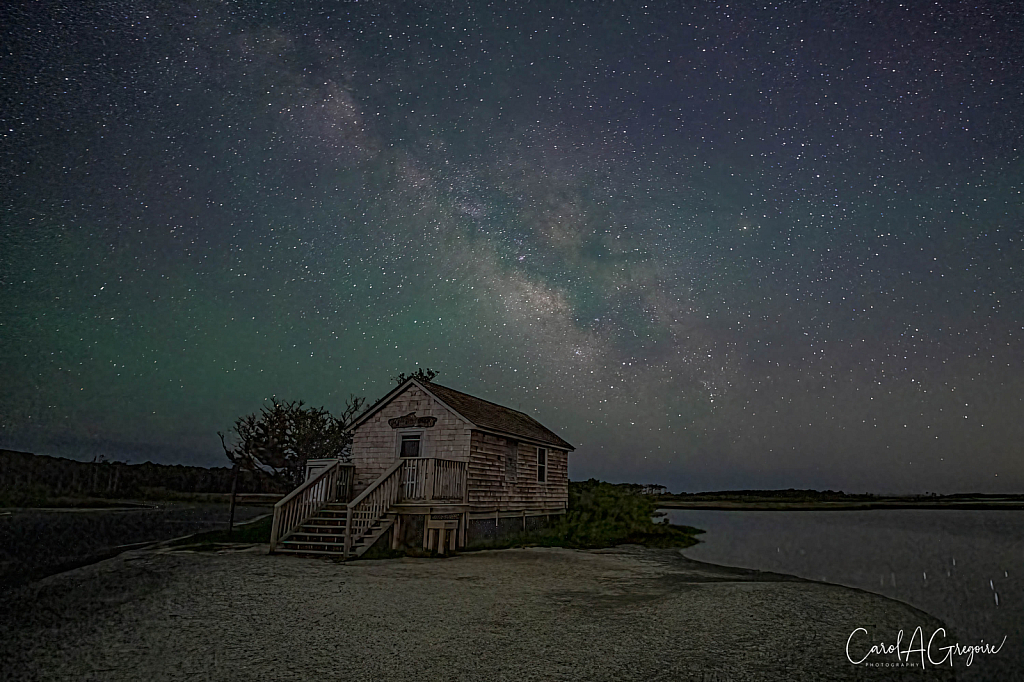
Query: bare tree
point(420, 375)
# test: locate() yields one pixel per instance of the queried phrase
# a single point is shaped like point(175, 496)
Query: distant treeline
point(26, 478)
point(790, 495)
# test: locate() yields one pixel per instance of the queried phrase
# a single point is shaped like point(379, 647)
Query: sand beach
point(627, 613)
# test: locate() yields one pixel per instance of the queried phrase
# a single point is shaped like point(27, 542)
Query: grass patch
point(250, 533)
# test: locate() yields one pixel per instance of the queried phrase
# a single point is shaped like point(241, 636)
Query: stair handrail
point(304, 502)
point(371, 505)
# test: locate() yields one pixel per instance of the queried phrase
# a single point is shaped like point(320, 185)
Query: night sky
point(742, 246)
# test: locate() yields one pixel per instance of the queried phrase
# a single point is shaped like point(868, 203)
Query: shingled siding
point(374, 447)
point(489, 488)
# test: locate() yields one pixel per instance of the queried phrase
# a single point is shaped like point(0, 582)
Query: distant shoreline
point(1014, 502)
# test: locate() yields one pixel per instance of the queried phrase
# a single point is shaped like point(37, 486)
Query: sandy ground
point(529, 614)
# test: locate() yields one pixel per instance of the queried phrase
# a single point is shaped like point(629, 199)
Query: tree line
point(27, 479)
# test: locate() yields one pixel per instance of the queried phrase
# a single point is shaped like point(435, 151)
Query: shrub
point(603, 515)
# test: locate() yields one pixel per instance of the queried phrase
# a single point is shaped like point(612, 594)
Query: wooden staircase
point(324, 534)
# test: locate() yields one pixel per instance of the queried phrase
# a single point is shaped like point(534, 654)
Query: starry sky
point(742, 245)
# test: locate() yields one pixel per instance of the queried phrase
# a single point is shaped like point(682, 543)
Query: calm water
point(964, 567)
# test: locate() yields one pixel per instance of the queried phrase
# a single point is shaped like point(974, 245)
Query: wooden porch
point(317, 518)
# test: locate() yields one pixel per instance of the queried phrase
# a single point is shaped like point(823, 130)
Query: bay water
point(964, 567)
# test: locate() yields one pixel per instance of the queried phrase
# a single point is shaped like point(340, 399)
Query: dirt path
point(528, 614)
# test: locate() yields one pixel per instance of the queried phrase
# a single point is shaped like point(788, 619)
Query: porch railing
point(449, 480)
point(330, 485)
point(428, 478)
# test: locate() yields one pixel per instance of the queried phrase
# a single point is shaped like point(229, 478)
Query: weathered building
point(428, 463)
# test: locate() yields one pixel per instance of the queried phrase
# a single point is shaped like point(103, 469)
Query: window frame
point(542, 468)
point(400, 435)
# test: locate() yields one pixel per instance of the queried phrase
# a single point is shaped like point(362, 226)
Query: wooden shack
point(432, 466)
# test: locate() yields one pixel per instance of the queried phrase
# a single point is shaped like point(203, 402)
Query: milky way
point(746, 245)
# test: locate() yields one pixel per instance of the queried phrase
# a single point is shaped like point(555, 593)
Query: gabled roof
point(488, 415)
point(481, 413)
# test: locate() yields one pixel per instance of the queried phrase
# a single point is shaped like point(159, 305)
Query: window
point(410, 445)
point(542, 465)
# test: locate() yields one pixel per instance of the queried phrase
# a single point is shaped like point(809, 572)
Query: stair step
point(289, 542)
point(377, 524)
point(327, 537)
point(292, 550)
point(324, 534)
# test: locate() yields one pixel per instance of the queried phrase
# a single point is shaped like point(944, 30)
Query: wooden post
point(348, 529)
point(274, 528)
point(231, 510)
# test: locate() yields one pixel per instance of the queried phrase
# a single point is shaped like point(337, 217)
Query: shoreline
point(754, 575)
point(730, 505)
